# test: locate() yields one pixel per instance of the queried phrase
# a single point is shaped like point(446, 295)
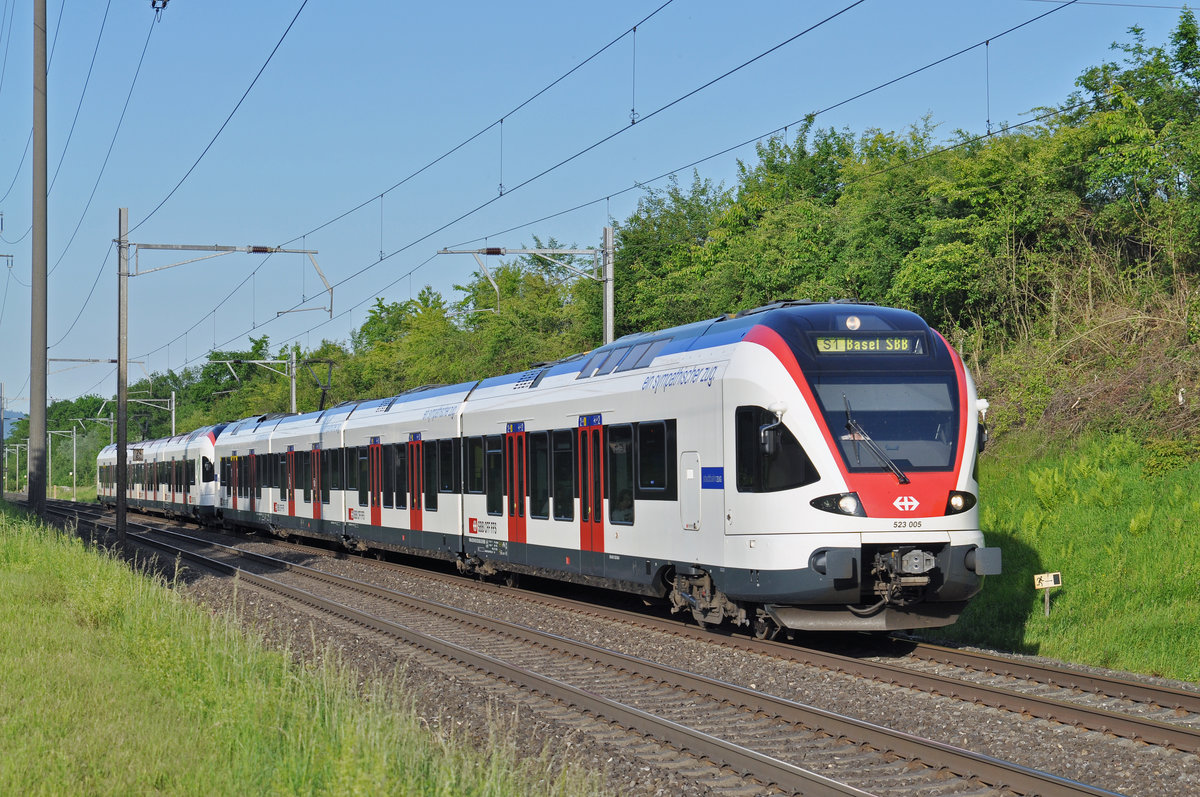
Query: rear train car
point(174, 476)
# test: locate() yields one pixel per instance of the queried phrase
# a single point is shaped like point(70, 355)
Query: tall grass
point(113, 684)
point(1119, 517)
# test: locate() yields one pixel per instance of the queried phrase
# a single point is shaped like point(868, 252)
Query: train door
point(173, 481)
point(591, 492)
point(315, 465)
point(515, 470)
point(251, 483)
point(290, 480)
point(375, 481)
point(416, 471)
point(233, 481)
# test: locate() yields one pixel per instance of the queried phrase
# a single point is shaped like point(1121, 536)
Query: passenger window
point(564, 474)
point(620, 474)
point(652, 456)
point(539, 474)
point(474, 464)
point(446, 466)
point(431, 476)
point(495, 475)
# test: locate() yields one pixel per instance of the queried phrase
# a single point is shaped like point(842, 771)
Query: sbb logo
point(905, 503)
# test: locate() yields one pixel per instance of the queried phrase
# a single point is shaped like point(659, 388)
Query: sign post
point(1046, 582)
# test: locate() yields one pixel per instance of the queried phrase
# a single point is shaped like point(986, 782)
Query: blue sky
point(359, 96)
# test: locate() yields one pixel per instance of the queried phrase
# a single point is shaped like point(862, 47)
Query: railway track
point(1143, 712)
point(794, 748)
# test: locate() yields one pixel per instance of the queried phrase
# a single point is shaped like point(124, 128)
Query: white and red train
point(801, 466)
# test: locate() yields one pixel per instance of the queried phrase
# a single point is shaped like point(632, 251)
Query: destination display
point(871, 343)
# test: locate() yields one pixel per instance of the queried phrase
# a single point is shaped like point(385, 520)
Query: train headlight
point(959, 502)
point(840, 504)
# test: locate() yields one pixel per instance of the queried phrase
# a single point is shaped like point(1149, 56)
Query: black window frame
point(562, 474)
point(668, 490)
point(620, 488)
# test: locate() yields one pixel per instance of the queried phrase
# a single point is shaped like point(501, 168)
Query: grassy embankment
point(115, 685)
point(1119, 517)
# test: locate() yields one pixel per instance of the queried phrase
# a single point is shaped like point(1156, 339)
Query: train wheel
point(763, 626)
point(512, 580)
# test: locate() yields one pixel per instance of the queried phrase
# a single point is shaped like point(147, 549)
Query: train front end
point(856, 432)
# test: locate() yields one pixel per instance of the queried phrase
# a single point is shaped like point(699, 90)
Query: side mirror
point(768, 439)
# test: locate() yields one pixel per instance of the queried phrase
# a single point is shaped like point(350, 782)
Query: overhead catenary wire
point(808, 117)
point(583, 151)
point(49, 61)
point(104, 165)
point(448, 153)
point(224, 124)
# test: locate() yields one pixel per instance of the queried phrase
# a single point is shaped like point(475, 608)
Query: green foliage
point(115, 684)
point(1167, 456)
point(1123, 542)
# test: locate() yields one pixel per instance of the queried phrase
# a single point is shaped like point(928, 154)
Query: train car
point(806, 466)
point(174, 476)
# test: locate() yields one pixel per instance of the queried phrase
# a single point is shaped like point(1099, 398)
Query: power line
point(476, 135)
point(111, 144)
point(581, 152)
point(82, 94)
point(50, 60)
point(443, 156)
point(226, 122)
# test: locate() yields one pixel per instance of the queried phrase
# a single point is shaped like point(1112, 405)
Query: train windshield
point(913, 421)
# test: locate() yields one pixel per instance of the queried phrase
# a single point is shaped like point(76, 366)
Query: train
point(801, 466)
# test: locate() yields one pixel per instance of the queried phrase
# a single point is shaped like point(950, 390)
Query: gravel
point(449, 701)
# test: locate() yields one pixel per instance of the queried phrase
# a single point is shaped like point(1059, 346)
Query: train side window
point(494, 481)
point(306, 474)
point(335, 468)
point(363, 466)
point(474, 457)
point(400, 454)
point(284, 484)
point(350, 467)
point(655, 458)
point(446, 466)
point(564, 474)
point(758, 471)
point(326, 461)
point(388, 477)
point(539, 474)
point(430, 451)
point(620, 474)
point(261, 476)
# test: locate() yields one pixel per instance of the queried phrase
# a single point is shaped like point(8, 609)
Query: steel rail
point(994, 772)
point(1159, 695)
point(1140, 729)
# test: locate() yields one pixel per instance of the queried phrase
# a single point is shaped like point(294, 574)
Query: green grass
point(1119, 517)
point(112, 684)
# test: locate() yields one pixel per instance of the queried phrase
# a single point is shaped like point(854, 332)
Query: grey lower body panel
point(929, 614)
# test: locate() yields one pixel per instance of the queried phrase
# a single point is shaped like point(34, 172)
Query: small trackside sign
point(1047, 580)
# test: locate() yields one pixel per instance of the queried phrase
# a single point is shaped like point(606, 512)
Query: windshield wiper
point(859, 434)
